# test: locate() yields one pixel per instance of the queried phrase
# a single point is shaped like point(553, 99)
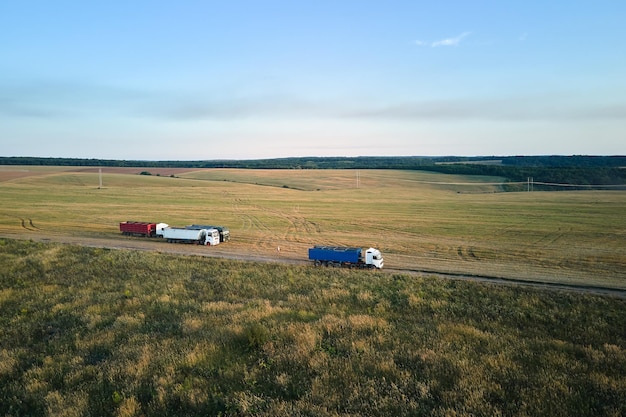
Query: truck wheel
point(317, 263)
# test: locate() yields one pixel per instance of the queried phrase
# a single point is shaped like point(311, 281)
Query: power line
point(581, 185)
point(530, 182)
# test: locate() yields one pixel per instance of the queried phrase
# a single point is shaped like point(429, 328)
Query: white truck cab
point(212, 237)
point(160, 227)
point(374, 257)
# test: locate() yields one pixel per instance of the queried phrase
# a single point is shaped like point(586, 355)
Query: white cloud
point(450, 41)
point(455, 41)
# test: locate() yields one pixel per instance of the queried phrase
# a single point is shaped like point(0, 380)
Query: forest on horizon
point(548, 172)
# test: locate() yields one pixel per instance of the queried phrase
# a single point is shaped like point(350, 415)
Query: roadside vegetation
point(92, 331)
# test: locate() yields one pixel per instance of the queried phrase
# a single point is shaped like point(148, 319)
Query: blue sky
point(185, 80)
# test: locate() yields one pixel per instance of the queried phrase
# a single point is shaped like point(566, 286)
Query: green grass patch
point(89, 331)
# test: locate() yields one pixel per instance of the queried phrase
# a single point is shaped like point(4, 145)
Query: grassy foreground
point(90, 331)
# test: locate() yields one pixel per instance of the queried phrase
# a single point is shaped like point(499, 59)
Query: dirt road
point(228, 252)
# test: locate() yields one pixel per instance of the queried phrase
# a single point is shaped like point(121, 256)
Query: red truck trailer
point(142, 229)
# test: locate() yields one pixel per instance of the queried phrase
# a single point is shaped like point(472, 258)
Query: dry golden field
point(419, 220)
point(103, 328)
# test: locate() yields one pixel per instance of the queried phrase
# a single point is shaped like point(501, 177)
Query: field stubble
point(420, 221)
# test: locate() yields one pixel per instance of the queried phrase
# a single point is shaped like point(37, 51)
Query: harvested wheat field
point(420, 221)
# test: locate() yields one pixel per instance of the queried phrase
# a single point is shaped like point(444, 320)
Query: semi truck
point(338, 256)
point(224, 232)
point(209, 237)
point(130, 228)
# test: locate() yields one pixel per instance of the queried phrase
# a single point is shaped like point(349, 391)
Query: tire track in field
point(466, 253)
point(28, 226)
point(550, 238)
point(251, 222)
point(298, 228)
point(543, 240)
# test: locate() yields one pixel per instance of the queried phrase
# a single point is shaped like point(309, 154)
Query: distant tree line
point(576, 177)
point(559, 161)
point(574, 170)
point(408, 162)
point(579, 170)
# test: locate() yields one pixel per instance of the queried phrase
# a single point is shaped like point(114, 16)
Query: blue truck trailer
point(337, 256)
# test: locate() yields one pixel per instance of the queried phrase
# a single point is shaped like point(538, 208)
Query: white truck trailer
point(209, 237)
